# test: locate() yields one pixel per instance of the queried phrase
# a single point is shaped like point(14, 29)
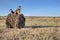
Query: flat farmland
point(47, 32)
point(36, 21)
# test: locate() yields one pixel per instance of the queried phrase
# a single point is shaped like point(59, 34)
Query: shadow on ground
point(39, 26)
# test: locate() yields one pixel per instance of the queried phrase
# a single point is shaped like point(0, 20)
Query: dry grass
point(37, 21)
point(51, 33)
point(46, 33)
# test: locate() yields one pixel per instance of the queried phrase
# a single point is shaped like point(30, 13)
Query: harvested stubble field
point(47, 32)
point(37, 21)
point(30, 34)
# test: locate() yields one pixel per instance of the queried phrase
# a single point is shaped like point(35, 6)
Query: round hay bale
point(15, 21)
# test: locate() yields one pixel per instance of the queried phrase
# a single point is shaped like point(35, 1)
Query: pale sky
point(31, 7)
